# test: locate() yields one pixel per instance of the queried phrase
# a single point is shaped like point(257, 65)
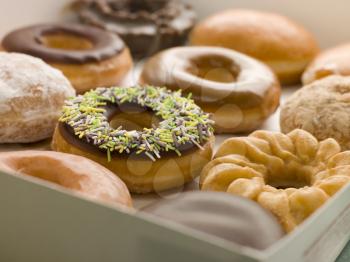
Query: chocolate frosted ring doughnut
point(166, 155)
point(238, 90)
point(88, 56)
point(156, 24)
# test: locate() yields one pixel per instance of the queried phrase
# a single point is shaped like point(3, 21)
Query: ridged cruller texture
point(291, 175)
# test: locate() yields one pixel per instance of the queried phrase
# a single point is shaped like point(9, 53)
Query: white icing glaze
point(253, 77)
point(31, 96)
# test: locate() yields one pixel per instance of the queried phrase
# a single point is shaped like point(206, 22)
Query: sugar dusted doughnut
point(284, 45)
point(89, 57)
point(31, 96)
point(166, 152)
point(291, 175)
point(240, 92)
point(72, 172)
point(321, 108)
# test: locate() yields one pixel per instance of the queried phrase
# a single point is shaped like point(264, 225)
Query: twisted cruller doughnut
point(291, 175)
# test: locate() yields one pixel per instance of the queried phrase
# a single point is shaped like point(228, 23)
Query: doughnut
point(89, 57)
point(31, 96)
point(76, 173)
point(291, 175)
point(334, 61)
point(146, 26)
point(322, 108)
point(152, 138)
point(235, 219)
point(237, 90)
point(284, 45)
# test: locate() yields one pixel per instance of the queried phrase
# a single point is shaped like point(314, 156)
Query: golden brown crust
point(240, 104)
point(274, 39)
point(73, 172)
point(142, 175)
point(95, 74)
point(291, 175)
point(333, 61)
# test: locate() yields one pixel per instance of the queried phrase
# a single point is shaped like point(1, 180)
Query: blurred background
point(327, 19)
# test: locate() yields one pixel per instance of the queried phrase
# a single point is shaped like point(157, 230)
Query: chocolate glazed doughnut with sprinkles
point(166, 155)
point(155, 24)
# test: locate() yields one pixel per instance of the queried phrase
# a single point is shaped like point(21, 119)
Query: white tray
point(40, 222)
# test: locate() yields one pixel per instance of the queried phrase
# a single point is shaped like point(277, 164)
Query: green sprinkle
point(108, 155)
point(183, 122)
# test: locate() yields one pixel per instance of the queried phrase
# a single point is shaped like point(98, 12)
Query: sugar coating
point(31, 96)
point(321, 108)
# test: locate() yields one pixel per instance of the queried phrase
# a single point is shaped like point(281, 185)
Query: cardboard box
point(42, 222)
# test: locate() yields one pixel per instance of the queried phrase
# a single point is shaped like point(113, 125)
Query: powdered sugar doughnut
point(31, 96)
point(322, 108)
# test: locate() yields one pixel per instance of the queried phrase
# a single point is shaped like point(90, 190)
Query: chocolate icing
point(67, 133)
point(28, 40)
point(146, 26)
point(226, 216)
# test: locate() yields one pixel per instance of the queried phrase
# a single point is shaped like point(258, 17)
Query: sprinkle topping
point(182, 121)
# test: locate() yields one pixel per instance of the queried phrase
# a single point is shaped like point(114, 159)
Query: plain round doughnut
point(72, 172)
point(281, 43)
point(333, 61)
point(31, 97)
point(240, 92)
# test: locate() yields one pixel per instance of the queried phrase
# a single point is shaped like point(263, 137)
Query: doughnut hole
point(293, 176)
point(132, 117)
point(65, 41)
point(214, 68)
point(61, 175)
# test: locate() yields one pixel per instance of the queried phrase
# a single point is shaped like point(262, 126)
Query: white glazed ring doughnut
point(238, 90)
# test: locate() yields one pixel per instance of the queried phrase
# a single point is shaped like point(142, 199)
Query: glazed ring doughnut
point(89, 57)
point(291, 175)
point(237, 90)
point(163, 154)
point(73, 172)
